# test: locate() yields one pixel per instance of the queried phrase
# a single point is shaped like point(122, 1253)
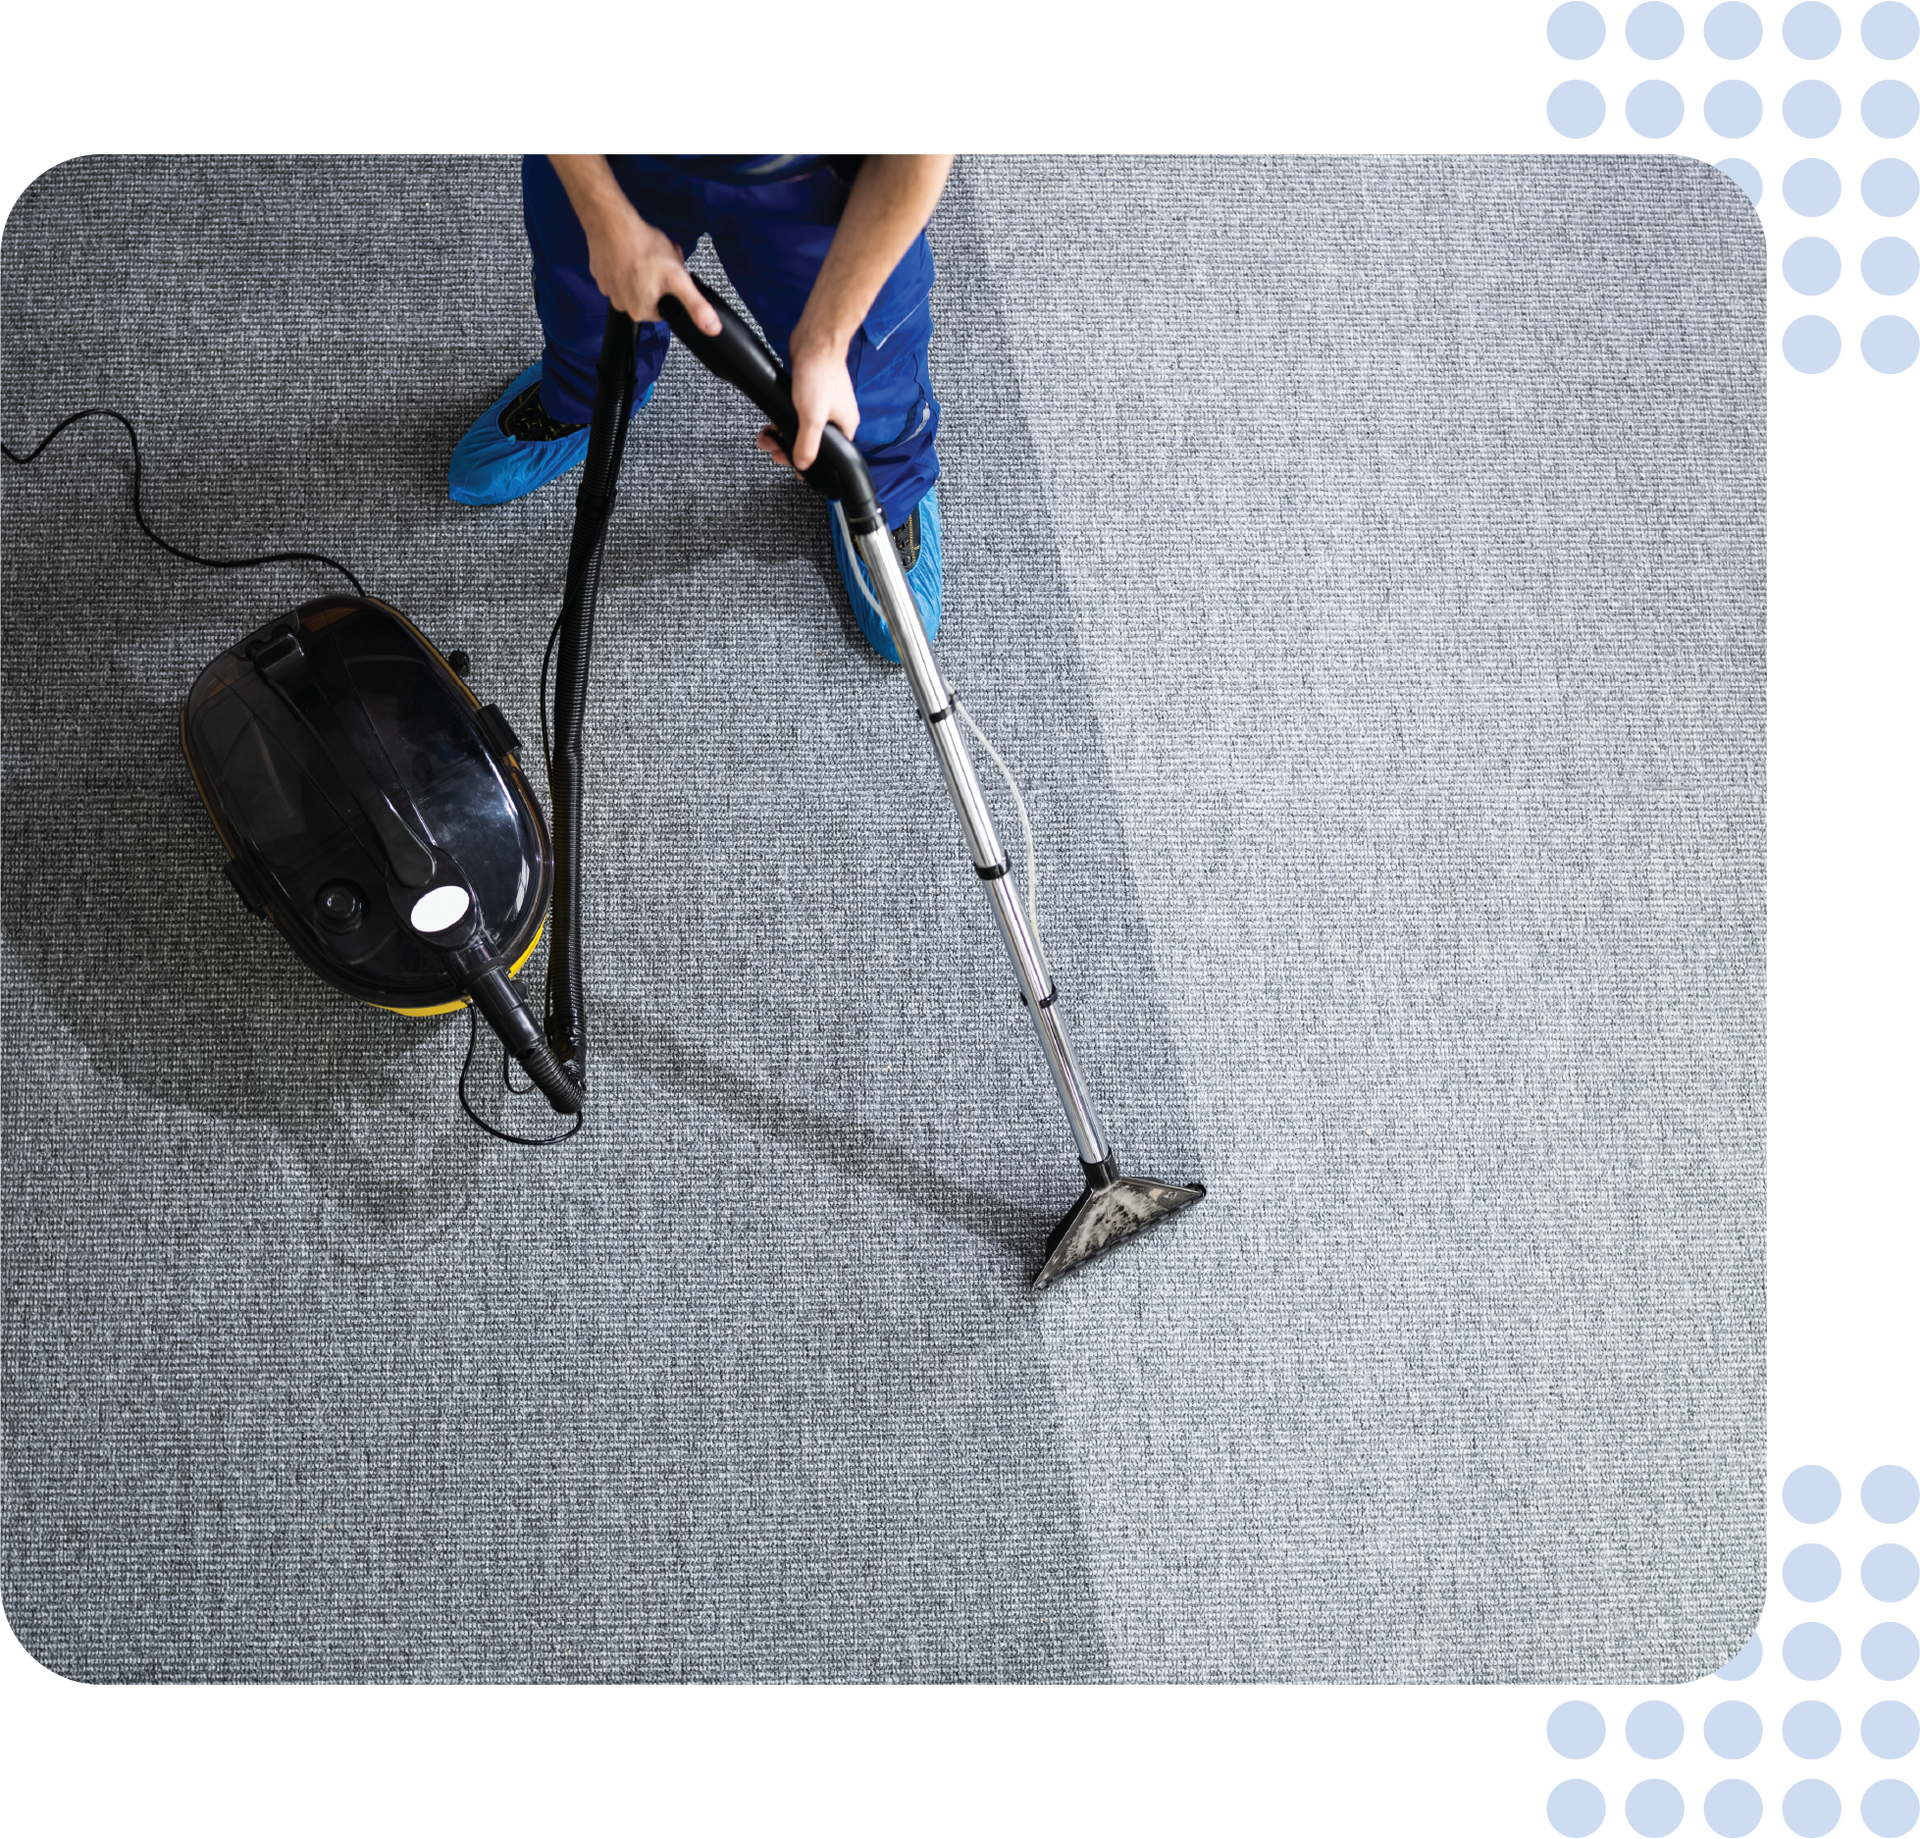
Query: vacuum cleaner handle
point(736, 356)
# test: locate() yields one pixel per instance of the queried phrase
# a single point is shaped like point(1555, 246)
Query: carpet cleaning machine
point(379, 816)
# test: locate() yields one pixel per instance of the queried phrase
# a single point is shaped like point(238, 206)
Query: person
point(830, 255)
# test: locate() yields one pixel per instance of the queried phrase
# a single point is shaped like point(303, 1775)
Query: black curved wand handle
point(736, 356)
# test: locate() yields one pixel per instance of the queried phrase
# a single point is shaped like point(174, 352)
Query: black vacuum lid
point(308, 844)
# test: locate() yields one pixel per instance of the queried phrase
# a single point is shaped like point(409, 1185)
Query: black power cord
point(505, 1136)
point(139, 516)
point(340, 568)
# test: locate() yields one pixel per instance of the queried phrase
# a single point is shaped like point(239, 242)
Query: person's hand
point(636, 266)
point(822, 393)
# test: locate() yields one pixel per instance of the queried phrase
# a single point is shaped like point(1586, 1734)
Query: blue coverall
point(772, 219)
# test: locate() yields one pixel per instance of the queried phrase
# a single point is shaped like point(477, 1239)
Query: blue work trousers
point(771, 238)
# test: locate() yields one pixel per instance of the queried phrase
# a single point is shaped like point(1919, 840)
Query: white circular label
point(438, 909)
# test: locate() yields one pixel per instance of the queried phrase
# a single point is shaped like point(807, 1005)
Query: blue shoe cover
point(923, 577)
point(491, 467)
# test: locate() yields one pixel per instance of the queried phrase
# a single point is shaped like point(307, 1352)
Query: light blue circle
point(1810, 29)
point(1576, 1808)
point(1889, 29)
point(1888, 1649)
point(1889, 109)
point(1741, 1666)
point(1810, 1808)
point(1746, 176)
point(1732, 1808)
point(1812, 1493)
point(1811, 1572)
point(1811, 266)
point(1890, 1492)
point(1655, 29)
point(1889, 1808)
point(1811, 1650)
point(1732, 1729)
point(1576, 109)
point(1576, 1729)
point(1890, 1730)
point(1654, 1808)
point(1890, 1572)
point(1654, 109)
point(1811, 344)
point(1813, 187)
point(1654, 1729)
point(1576, 30)
point(1811, 1730)
point(1890, 345)
point(1811, 108)
point(1733, 109)
point(1733, 30)
point(1888, 188)
point(1889, 266)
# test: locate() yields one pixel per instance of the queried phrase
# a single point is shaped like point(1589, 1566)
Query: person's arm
point(892, 199)
point(635, 265)
point(632, 263)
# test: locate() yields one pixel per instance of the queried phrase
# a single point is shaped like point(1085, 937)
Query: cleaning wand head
point(1112, 1209)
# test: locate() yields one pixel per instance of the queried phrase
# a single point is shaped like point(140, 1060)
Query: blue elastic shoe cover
point(923, 577)
point(491, 467)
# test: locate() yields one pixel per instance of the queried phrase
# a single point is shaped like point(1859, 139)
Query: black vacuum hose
point(494, 995)
point(735, 355)
point(547, 1073)
point(606, 443)
point(566, 1016)
point(738, 357)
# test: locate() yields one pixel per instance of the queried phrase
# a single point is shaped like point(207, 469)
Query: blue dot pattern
point(1811, 1572)
point(1838, 1791)
point(1889, 266)
point(1890, 1494)
point(1816, 107)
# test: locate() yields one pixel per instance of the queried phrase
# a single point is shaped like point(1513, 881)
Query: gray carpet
point(1362, 564)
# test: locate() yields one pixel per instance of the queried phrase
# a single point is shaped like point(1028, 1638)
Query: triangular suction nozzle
point(1112, 1209)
